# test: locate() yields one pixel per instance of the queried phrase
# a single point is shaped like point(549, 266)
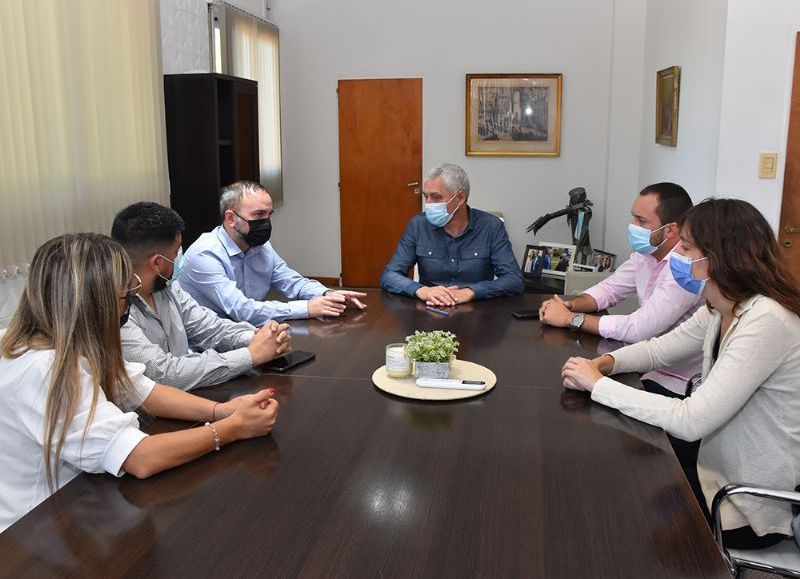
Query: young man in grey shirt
point(180, 342)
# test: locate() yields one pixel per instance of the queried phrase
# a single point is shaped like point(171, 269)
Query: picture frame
point(667, 101)
point(513, 115)
point(547, 259)
point(603, 260)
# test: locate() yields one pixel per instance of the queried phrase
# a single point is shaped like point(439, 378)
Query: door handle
point(790, 229)
point(414, 184)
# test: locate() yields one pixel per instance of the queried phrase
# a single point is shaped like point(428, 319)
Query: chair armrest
point(746, 489)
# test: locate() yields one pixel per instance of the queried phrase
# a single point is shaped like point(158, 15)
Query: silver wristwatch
point(576, 322)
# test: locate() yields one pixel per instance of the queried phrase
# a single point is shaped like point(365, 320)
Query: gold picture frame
point(668, 86)
point(513, 115)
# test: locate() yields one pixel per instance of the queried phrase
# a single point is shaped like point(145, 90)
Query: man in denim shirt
point(462, 254)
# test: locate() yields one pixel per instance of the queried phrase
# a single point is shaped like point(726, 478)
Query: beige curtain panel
point(81, 118)
point(250, 49)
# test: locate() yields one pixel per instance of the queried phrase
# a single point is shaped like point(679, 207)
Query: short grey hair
point(453, 177)
point(231, 195)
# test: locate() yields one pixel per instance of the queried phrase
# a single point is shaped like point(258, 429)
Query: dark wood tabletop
point(529, 480)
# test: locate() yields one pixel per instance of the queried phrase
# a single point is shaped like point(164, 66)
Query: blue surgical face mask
point(436, 213)
point(177, 265)
point(681, 268)
point(639, 238)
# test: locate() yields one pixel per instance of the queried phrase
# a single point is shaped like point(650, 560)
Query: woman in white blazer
point(747, 408)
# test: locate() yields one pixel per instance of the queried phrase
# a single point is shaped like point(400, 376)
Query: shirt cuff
point(120, 448)
point(603, 390)
point(299, 310)
point(478, 290)
point(606, 326)
point(599, 297)
point(412, 287)
point(241, 358)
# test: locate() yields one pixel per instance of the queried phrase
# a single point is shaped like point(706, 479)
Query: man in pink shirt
point(663, 304)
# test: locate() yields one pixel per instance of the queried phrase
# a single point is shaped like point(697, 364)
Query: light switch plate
point(767, 165)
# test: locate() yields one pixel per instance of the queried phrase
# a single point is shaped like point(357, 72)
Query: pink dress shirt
point(663, 305)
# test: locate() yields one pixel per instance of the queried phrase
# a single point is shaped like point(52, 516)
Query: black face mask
point(124, 317)
point(259, 232)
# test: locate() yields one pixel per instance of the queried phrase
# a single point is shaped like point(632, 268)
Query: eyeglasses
point(133, 290)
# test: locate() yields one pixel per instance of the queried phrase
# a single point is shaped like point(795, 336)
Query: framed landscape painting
point(668, 85)
point(513, 114)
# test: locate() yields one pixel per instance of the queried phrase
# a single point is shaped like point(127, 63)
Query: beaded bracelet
point(216, 435)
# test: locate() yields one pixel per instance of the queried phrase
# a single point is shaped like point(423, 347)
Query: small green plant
point(436, 346)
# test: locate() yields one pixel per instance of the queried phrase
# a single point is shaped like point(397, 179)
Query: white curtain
point(252, 52)
point(81, 118)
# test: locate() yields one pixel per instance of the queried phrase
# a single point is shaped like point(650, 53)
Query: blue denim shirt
point(234, 284)
point(471, 260)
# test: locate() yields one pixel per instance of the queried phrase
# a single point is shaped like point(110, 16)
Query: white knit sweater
point(747, 410)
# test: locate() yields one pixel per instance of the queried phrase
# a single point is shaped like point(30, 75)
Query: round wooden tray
point(407, 387)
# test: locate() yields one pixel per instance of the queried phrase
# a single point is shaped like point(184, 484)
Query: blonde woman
point(67, 395)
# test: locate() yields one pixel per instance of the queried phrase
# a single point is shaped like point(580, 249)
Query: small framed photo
point(603, 261)
point(668, 85)
point(548, 260)
point(513, 115)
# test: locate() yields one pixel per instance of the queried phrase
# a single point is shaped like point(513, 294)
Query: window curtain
point(81, 118)
point(250, 50)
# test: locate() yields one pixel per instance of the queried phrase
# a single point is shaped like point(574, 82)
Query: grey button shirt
point(183, 344)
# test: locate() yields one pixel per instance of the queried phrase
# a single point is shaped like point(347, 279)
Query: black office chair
point(783, 558)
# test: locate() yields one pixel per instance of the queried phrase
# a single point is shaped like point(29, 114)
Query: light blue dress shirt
point(234, 284)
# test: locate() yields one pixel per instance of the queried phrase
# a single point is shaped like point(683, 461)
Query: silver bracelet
point(216, 435)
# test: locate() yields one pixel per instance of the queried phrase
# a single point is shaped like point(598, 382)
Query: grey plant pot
point(432, 369)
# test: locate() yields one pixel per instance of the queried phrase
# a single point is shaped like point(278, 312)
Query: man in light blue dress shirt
point(462, 254)
point(231, 269)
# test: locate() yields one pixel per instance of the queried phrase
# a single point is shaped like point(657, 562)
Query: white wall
point(625, 121)
point(756, 87)
point(322, 42)
point(689, 34)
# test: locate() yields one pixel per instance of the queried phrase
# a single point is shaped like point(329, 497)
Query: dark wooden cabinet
point(212, 141)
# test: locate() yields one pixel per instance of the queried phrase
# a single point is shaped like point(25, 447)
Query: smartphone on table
point(288, 361)
point(526, 314)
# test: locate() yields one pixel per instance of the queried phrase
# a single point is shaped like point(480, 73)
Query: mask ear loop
point(665, 238)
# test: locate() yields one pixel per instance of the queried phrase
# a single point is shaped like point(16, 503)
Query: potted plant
point(432, 353)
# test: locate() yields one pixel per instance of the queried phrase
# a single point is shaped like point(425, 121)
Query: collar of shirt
point(228, 244)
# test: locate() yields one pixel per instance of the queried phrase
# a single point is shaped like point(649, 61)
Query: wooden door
point(380, 168)
point(789, 232)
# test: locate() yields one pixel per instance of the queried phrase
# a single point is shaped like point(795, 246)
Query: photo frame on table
point(668, 87)
point(513, 114)
point(603, 261)
point(547, 259)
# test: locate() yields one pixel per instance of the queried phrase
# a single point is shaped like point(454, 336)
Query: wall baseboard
point(326, 281)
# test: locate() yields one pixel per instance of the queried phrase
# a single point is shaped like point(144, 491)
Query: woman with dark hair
point(67, 396)
point(747, 408)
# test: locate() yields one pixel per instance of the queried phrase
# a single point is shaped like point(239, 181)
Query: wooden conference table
point(529, 480)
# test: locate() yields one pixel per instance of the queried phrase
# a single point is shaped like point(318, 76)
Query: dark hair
point(145, 228)
point(673, 201)
point(743, 257)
